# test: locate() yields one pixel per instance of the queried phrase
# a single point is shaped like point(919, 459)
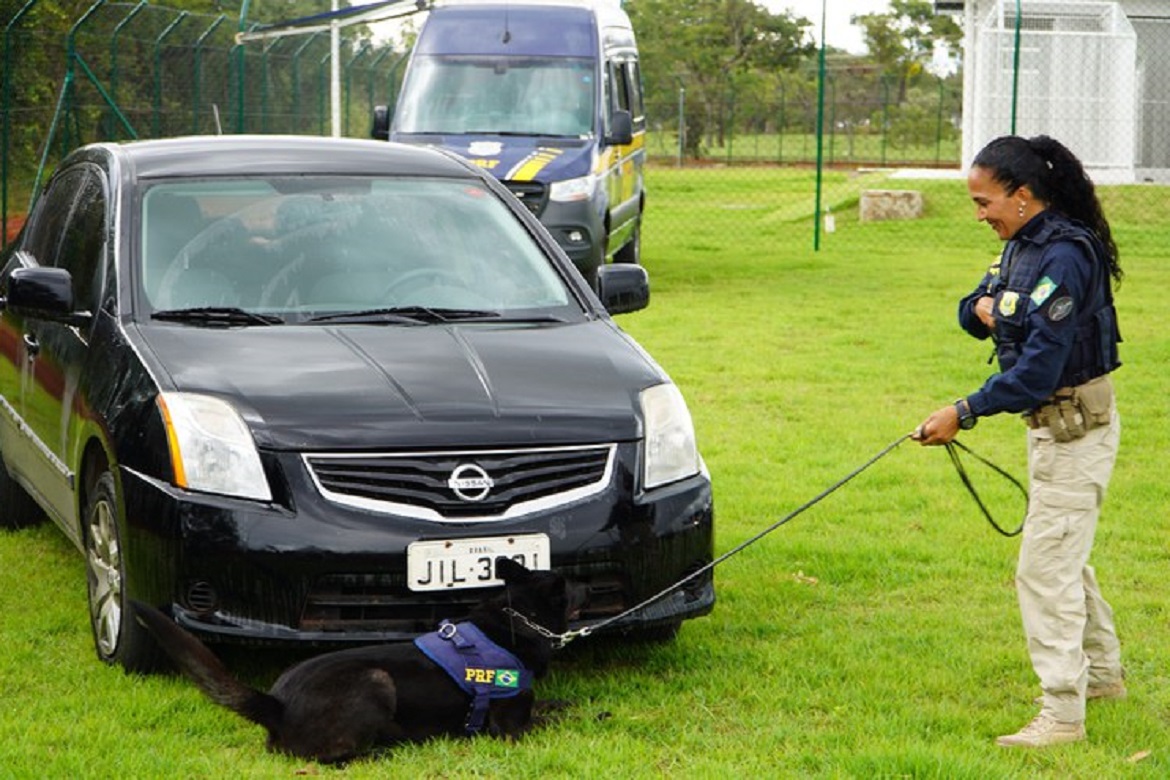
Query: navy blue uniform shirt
point(1065, 272)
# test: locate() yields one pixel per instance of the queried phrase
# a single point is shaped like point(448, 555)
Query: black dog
point(342, 704)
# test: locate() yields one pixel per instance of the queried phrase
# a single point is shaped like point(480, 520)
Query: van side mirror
point(623, 288)
point(621, 129)
point(381, 128)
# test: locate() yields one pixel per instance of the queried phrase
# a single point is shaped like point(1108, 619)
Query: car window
point(308, 246)
point(637, 103)
point(51, 214)
point(69, 231)
point(83, 243)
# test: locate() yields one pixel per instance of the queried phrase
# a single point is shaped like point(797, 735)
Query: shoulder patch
point(1060, 308)
point(1044, 288)
point(1007, 304)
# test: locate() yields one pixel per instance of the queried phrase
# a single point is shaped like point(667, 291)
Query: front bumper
point(309, 570)
point(579, 230)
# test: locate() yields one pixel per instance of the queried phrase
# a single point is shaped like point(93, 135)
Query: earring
point(1022, 206)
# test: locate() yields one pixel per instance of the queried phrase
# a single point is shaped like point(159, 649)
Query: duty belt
point(1071, 412)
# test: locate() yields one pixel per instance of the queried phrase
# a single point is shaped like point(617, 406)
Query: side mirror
point(44, 293)
point(381, 128)
point(621, 129)
point(623, 288)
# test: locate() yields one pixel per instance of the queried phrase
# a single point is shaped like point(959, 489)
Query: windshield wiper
point(217, 315)
point(409, 315)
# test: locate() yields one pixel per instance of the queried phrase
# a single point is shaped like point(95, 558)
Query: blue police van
point(547, 96)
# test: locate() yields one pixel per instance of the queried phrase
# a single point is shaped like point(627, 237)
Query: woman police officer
point(1048, 305)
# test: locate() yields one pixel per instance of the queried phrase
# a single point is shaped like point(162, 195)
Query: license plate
point(452, 564)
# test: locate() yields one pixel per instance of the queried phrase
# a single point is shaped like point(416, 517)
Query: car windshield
point(317, 248)
point(494, 94)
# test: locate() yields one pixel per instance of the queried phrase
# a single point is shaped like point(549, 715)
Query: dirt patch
point(12, 227)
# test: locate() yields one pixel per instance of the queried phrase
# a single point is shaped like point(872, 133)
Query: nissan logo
point(470, 483)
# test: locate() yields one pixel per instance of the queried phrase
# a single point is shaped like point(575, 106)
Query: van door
point(624, 178)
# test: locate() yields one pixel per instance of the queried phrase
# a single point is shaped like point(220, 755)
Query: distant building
point(1094, 75)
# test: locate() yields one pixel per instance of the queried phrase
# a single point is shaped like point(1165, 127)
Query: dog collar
point(479, 666)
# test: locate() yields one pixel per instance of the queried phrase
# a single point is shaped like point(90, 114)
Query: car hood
point(515, 158)
point(376, 386)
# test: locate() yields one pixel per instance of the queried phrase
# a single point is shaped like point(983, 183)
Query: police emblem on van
point(485, 148)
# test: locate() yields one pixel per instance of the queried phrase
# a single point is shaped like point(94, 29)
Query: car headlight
point(670, 450)
point(211, 447)
point(572, 189)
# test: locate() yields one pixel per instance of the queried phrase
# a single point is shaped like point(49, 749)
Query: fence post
point(729, 128)
point(158, 71)
point(6, 112)
point(371, 98)
point(296, 76)
point(365, 47)
point(938, 127)
point(780, 129)
point(832, 115)
point(323, 90)
point(199, 72)
point(885, 115)
point(114, 48)
point(393, 92)
point(264, 83)
point(682, 123)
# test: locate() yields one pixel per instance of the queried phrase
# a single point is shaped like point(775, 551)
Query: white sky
point(840, 33)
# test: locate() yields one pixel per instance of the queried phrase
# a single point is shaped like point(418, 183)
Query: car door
point(72, 237)
point(19, 336)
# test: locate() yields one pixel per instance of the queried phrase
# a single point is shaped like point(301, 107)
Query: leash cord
point(953, 448)
point(587, 630)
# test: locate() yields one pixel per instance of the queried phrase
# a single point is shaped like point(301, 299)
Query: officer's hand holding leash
point(943, 426)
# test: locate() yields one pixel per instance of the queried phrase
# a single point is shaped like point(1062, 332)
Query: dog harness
point(479, 666)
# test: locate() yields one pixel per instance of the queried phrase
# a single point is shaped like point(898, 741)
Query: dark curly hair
point(1055, 176)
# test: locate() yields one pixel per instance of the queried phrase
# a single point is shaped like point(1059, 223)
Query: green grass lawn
point(875, 635)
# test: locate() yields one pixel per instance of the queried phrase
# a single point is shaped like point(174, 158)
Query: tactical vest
point(479, 666)
point(1094, 350)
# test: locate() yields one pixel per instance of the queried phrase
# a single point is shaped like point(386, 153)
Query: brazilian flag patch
point(507, 678)
point(1043, 290)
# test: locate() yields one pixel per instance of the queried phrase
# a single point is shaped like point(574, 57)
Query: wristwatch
point(966, 419)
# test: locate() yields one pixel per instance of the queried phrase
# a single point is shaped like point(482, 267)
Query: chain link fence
point(132, 70)
point(870, 119)
point(135, 70)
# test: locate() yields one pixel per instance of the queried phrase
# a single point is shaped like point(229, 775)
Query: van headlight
point(670, 452)
point(571, 190)
point(212, 449)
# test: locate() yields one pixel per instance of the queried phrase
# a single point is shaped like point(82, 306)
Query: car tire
point(631, 252)
point(118, 638)
point(17, 507)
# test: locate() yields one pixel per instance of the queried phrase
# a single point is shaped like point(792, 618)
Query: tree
point(902, 40)
point(718, 51)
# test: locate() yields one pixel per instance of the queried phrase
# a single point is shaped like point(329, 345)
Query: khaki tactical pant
point(1069, 626)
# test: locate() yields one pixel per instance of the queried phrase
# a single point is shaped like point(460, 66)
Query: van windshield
point(454, 95)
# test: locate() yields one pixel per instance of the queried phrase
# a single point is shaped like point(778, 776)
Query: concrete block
point(890, 204)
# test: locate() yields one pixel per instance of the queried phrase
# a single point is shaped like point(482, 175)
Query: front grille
point(379, 602)
point(532, 194)
point(383, 602)
point(496, 484)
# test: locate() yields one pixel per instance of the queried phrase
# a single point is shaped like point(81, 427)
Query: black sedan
point(309, 389)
